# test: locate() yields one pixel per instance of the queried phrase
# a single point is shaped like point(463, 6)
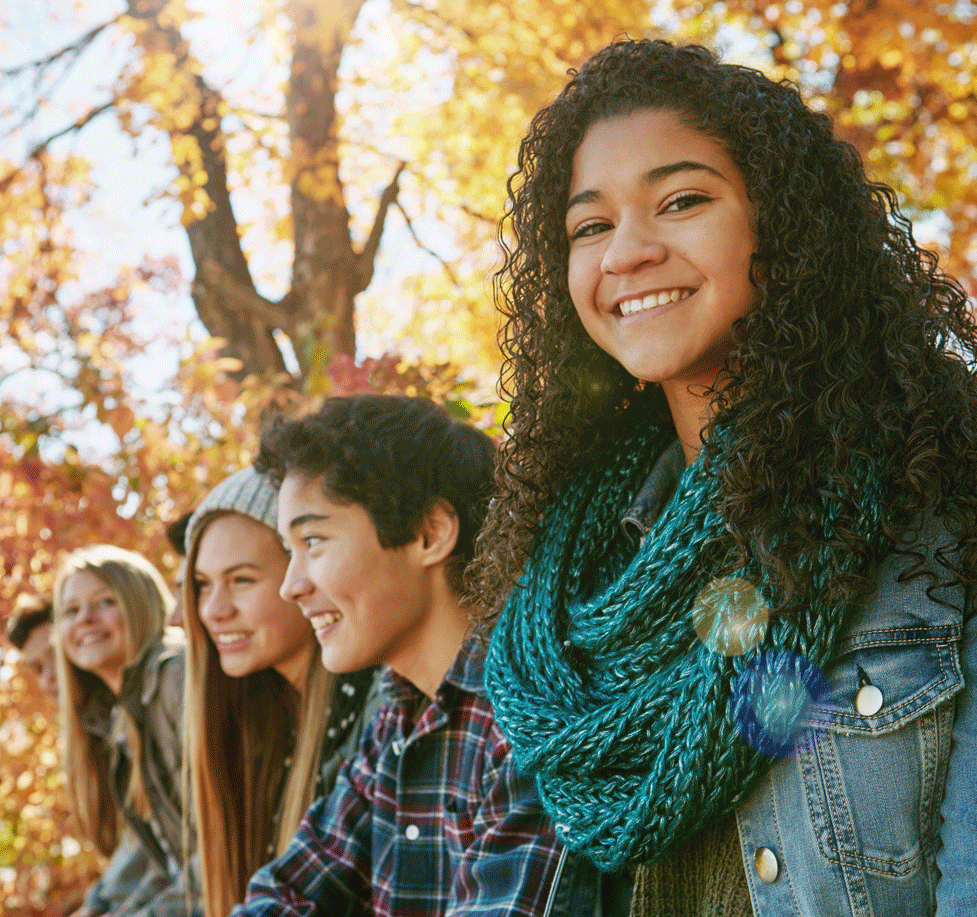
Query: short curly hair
point(395, 456)
point(860, 347)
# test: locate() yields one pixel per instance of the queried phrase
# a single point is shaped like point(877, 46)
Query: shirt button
point(766, 865)
point(869, 700)
point(412, 832)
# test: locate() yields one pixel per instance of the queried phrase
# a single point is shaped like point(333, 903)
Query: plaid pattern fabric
point(429, 818)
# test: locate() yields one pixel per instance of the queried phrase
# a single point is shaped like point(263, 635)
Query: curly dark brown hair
point(860, 352)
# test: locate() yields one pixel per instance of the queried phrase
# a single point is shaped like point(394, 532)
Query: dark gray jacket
point(145, 875)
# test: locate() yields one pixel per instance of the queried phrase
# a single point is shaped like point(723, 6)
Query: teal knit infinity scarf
point(639, 687)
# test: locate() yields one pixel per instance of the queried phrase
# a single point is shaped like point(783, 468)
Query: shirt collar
point(140, 679)
point(655, 493)
point(466, 673)
point(468, 670)
point(139, 683)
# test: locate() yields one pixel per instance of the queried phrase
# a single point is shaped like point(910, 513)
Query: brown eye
point(685, 201)
point(588, 229)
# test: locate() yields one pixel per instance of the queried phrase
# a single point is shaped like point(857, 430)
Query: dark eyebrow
point(649, 178)
point(307, 517)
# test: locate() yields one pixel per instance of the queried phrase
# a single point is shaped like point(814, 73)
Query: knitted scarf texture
point(606, 674)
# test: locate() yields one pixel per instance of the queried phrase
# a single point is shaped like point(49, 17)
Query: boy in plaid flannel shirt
point(380, 501)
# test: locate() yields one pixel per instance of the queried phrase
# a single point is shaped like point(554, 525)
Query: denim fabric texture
point(853, 818)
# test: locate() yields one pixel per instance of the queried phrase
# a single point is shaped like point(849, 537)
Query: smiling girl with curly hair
point(730, 570)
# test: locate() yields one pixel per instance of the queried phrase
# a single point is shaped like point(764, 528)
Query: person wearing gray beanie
point(246, 492)
point(261, 710)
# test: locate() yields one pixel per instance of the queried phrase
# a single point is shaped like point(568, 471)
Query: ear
point(438, 534)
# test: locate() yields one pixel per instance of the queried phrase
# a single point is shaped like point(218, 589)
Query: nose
point(86, 612)
point(296, 583)
point(633, 244)
point(214, 604)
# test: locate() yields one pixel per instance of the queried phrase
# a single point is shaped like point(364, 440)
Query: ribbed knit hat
point(245, 492)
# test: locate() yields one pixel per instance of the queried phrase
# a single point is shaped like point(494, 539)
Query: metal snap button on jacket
point(869, 700)
point(412, 832)
point(766, 865)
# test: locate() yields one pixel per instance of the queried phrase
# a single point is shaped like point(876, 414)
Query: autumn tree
point(324, 154)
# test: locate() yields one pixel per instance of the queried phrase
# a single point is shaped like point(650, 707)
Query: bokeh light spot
point(770, 697)
point(729, 616)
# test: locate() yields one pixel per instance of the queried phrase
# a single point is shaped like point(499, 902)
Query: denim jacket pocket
point(874, 756)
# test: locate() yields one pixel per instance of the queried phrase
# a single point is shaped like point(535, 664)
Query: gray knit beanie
point(245, 492)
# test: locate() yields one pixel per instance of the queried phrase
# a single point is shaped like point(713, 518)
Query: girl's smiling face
point(661, 231)
point(237, 573)
point(92, 629)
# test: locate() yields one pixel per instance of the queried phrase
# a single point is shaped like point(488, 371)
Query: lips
point(229, 641)
point(91, 638)
point(323, 620)
point(653, 300)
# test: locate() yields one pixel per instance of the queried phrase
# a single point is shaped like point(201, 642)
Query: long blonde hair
point(144, 600)
point(236, 743)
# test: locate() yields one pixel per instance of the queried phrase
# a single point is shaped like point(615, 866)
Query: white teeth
point(630, 306)
point(91, 638)
point(231, 637)
point(324, 619)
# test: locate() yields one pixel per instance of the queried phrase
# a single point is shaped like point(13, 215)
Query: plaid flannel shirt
point(429, 817)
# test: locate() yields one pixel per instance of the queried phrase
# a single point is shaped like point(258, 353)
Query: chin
point(332, 664)
point(341, 665)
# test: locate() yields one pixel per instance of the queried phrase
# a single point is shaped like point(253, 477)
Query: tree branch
point(367, 257)
point(447, 267)
point(420, 12)
point(213, 277)
point(75, 47)
point(40, 147)
point(475, 215)
point(77, 125)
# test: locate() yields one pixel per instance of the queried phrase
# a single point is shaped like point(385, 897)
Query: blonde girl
point(120, 686)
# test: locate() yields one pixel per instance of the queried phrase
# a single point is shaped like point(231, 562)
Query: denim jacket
point(876, 813)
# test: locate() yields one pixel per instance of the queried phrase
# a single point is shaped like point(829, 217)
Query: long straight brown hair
point(236, 743)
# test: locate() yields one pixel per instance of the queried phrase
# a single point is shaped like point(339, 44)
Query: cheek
point(581, 281)
point(69, 651)
point(117, 626)
point(290, 621)
point(735, 257)
point(332, 572)
point(299, 632)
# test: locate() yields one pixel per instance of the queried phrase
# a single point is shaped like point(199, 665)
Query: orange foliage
point(43, 867)
point(899, 81)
